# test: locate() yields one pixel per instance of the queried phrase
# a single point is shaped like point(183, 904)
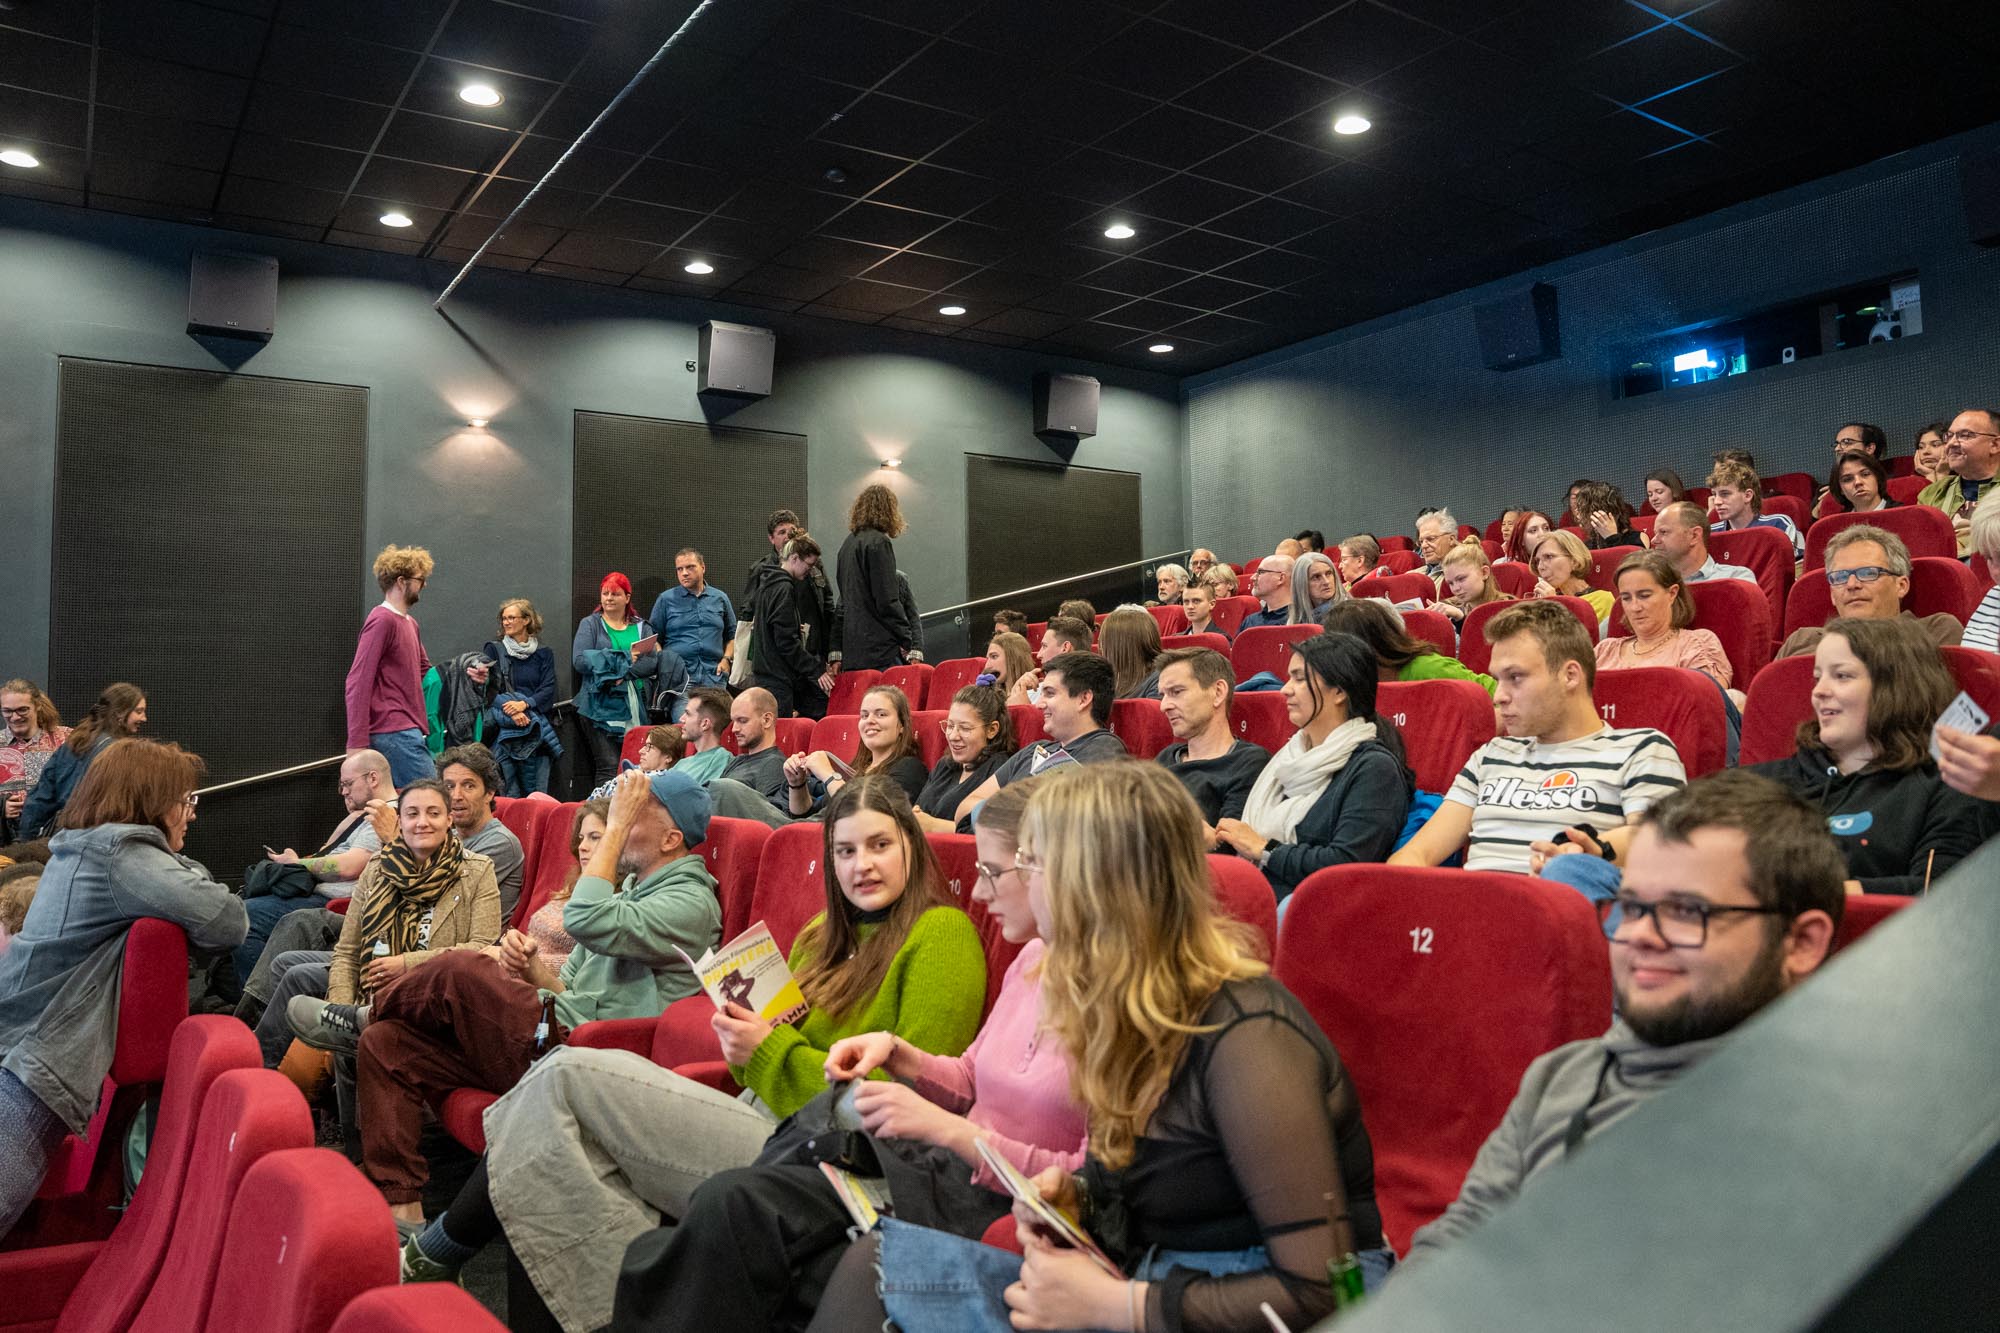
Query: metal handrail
point(306, 767)
point(1055, 583)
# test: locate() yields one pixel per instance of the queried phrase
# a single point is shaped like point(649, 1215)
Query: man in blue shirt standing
point(698, 622)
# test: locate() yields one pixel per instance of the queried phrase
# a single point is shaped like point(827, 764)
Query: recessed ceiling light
point(1351, 125)
point(1160, 348)
point(396, 220)
point(892, 462)
point(951, 310)
point(480, 94)
point(1119, 232)
point(15, 157)
point(699, 266)
point(477, 423)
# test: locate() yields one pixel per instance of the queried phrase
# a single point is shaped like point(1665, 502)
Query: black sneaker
point(325, 1026)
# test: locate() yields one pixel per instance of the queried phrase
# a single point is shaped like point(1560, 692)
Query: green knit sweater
point(1436, 666)
point(931, 997)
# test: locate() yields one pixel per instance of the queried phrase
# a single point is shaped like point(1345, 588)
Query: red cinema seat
point(1035, 630)
point(1219, 642)
point(1170, 619)
point(949, 677)
point(791, 885)
point(1764, 552)
point(1862, 912)
point(1905, 488)
point(1514, 578)
point(1492, 533)
point(839, 734)
point(733, 851)
point(848, 687)
point(629, 747)
point(1737, 614)
point(913, 679)
point(1684, 704)
point(1442, 723)
point(1477, 654)
point(1229, 612)
point(421, 1307)
point(1604, 567)
point(308, 1234)
point(1935, 585)
point(69, 1280)
point(1243, 584)
point(1267, 648)
point(1493, 549)
point(1433, 628)
point(1261, 719)
point(1926, 531)
point(928, 726)
point(1905, 466)
point(1399, 562)
point(1643, 524)
point(1141, 725)
point(795, 734)
point(1426, 979)
point(958, 859)
point(1415, 585)
point(1028, 726)
point(1244, 895)
point(551, 862)
point(1396, 543)
point(522, 817)
point(1466, 530)
point(1780, 698)
point(1799, 486)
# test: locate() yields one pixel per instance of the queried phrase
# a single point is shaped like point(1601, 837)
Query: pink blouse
point(545, 928)
point(1012, 1083)
point(1695, 649)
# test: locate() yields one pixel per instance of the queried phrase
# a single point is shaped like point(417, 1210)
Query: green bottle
point(1343, 1271)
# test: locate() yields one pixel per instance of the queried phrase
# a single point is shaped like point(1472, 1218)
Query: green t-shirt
point(622, 640)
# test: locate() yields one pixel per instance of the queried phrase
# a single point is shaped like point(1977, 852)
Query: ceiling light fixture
point(16, 157)
point(480, 94)
point(477, 423)
point(892, 462)
point(951, 310)
point(1351, 124)
point(397, 220)
point(1118, 231)
point(699, 266)
point(1160, 349)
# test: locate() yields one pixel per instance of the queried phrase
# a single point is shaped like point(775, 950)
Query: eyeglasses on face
point(1028, 865)
point(22, 711)
point(1682, 923)
point(991, 873)
point(191, 800)
point(1866, 573)
point(1968, 436)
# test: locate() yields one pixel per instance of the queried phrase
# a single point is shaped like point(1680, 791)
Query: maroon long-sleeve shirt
point(385, 686)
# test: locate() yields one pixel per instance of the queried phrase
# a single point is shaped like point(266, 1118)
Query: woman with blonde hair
point(1560, 560)
point(524, 693)
point(32, 734)
point(1190, 1062)
point(1468, 581)
point(1129, 640)
point(1223, 579)
point(1008, 658)
point(876, 632)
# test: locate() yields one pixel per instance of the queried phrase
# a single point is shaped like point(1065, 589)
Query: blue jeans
point(408, 759)
point(522, 777)
point(1592, 876)
point(264, 914)
point(31, 1132)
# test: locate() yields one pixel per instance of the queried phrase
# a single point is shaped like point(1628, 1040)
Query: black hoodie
point(1888, 823)
point(788, 637)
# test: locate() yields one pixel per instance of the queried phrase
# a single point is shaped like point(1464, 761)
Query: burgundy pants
point(458, 1021)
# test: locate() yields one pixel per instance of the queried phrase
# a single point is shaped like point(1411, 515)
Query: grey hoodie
point(1531, 1137)
point(59, 978)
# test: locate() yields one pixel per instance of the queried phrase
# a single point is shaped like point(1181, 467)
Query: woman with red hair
point(618, 661)
point(1528, 530)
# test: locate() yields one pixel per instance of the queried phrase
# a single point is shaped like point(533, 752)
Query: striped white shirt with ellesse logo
point(1521, 792)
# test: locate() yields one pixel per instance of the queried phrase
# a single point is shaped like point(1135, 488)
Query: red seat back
point(635, 741)
point(551, 862)
point(1926, 531)
point(1766, 553)
point(1790, 507)
point(791, 885)
point(1141, 725)
point(522, 817)
point(1243, 894)
point(913, 679)
point(1790, 485)
point(1397, 543)
point(848, 687)
point(1399, 562)
point(1476, 653)
point(1219, 642)
point(152, 1000)
point(1684, 704)
point(1492, 548)
point(733, 852)
point(958, 859)
point(949, 677)
point(1261, 719)
point(1244, 582)
point(838, 733)
point(1442, 722)
point(1036, 628)
point(308, 1234)
point(247, 1114)
point(1781, 698)
point(421, 1307)
point(1267, 648)
point(1433, 628)
point(1429, 979)
point(1171, 619)
point(1514, 578)
point(1229, 612)
point(1905, 487)
point(929, 729)
point(1603, 572)
point(1028, 727)
point(794, 734)
point(1397, 587)
point(1643, 523)
point(1862, 912)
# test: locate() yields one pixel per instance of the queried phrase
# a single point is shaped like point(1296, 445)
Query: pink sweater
point(385, 686)
point(1695, 649)
point(1012, 1083)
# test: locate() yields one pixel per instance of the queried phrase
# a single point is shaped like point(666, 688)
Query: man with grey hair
point(1172, 581)
point(1437, 532)
point(1199, 563)
point(1273, 588)
point(1680, 533)
point(1869, 569)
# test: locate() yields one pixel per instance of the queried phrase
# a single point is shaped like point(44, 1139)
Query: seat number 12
point(1420, 940)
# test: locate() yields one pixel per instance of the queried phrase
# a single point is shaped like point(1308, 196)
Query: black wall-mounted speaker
point(1065, 405)
point(1519, 330)
point(1979, 179)
point(233, 296)
point(735, 359)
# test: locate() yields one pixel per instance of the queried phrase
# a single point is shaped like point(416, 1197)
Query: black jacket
point(789, 636)
point(1357, 818)
point(876, 632)
point(828, 613)
point(1888, 824)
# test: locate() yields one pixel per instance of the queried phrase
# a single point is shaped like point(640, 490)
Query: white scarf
point(1297, 775)
point(520, 651)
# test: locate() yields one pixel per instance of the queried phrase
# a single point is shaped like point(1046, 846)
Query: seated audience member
point(1737, 496)
point(1008, 658)
point(1971, 457)
point(546, 940)
point(117, 859)
point(1170, 1022)
point(1982, 631)
point(524, 693)
point(1129, 640)
point(978, 738)
point(1869, 568)
point(574, 1171)
point(1743, 456)
point(364, 778)
point(1520, 545)
point(793, 634)
point(1316, 585)
point(615, 673)
point(1339, 790)
point(462, 1021)
point(472, 781)
point(1171, 581)
point(664, 747)
point(1222, 580)
point(1680, 534)
point(1437, 532)
point(1075, 697)
point(697, 621)
point(34, 732)
point(1659, 611)
point(1010, 622)
point(1468, 581)
point(1927, 453)
point(1078, 609)
point(1561, 560)
point(1864, 758)
point(1216, 766)
point(1860, 484)
point(17, 894)
point(702, 727)
point(1731, 897)
point(1291, 548)
point(1312, 539)
point(1570, 505)
point(1063, 634)
point(1399, 655)
point(888, 747)
point(1607, 517)
point(1198, 604)
point(1510, 518)
point(1858, 437)
point(1359, 557)
point(1557, 768)
point(119, 712)
point(1664, 487)
point(758, 763)
point(1199, 563)
point(1272, 587)
point(425, 894)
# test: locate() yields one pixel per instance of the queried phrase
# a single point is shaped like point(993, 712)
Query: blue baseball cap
point(686, 800)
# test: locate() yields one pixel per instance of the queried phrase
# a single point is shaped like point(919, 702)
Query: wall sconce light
point(892, 462)
point(477, 423)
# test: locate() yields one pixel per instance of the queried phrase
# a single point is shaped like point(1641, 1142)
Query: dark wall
point(493, 504)
point(1357, 431)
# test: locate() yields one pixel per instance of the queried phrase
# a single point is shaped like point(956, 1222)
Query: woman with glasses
point(888, 745)
point(119, 711)
point(34, 732)
point(978, 738)
point(1560, 562)
point(117, 859)
point(524, 693)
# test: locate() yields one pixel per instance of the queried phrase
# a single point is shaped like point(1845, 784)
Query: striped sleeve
point(1652, 771)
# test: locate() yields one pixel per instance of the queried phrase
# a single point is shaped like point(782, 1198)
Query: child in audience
point(1399, 655)
point(1198, 604)
point(1008, 658)
point(1192, 1065)
point(1129, 640)
point(1560, 561)
point(1859, 484)
point(1468, 581)
point(888, 746)
point(978, 738)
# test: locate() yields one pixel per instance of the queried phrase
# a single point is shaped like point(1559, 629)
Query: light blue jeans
point(30, 1132)
point(1592, 876)
point(408, 759)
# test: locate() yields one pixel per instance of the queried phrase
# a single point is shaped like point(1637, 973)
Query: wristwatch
point(1264, 857)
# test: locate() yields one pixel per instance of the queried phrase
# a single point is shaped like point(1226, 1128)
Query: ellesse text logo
point(1559, 791)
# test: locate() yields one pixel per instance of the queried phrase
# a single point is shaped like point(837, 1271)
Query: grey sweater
point(1531, 1136)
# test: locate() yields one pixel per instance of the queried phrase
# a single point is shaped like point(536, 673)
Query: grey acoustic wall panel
point(1029, 523)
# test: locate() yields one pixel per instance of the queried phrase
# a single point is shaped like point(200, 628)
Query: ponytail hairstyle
point(107, 716)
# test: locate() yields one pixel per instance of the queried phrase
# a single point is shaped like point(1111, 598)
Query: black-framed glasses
point(1682, 923)
point(1866, 573)
point(22, 711)
point(1968, 436)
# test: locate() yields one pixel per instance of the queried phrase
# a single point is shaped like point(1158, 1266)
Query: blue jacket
point(602, 671)
point(532, 680)
point(59, 778)
point(696, 626)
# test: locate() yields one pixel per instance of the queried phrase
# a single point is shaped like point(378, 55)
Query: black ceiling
point(986, 144)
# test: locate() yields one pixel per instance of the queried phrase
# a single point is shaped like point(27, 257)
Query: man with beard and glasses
point(385, 685)
point(1732, 893)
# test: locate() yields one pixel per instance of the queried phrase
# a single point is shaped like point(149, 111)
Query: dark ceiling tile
point(1272, 268)
point(970, 242)
point(345, 66)
point(655, 181)
point(1099, 177)
point(1359, 42)
point(1171, 136)
point(609, 253)
point(266, 227)
point(937, 191)
point(512, 37)
point(1033, 29)
point(822, 254)
point(1612, 142)
point(1209, 292)
point(1154, 60)
point(1053, 259)
point(313, 117)
point(669, 287)
point(991, 338)
point(1137, 277)
point(808, 165)
point(915, 270)
point(1005, 152)
point(878, 224)
point(737, 28)
point(849, 314)
point(654, 223)
point(447, 143)
point(1282, 308)
point(1188, 199)
point(182, 143)
point(1263, 163)
point(70, 22)
point(963, 78)
point(1074, 106)
point(1556, 33)
point(496, 196)
point(852, 49)
point(1033, 213)
point(457, 256)
point(621, 47)
point(1253, 26)
point(672, 263)
point(757, 300)
point(1216, 328)
point(1198, 250)
point(1001, 286)
point(909, 325)
point(735, 236)
point(1077, 301)
point(180, 187)
point(282, 203)
point(151, 208)
point(159, 89)
point(1460, 17)
point(1652, 64)
point(54, 190)
point(1260, 93)
point(185, 34)
point(791, 283)
point(883, 298)
point(591, 169)
point(1150, 316)
point(44, 65)
point(404, 183)
point(552, 207)
point(42, 118)
point(774, 203)
point(1024, 323)
point(1094, 337)
point(1271, 221)
point(889, 125)
point(405, 23)
point(579, 273)
point(371, 241)
point(523, 240)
